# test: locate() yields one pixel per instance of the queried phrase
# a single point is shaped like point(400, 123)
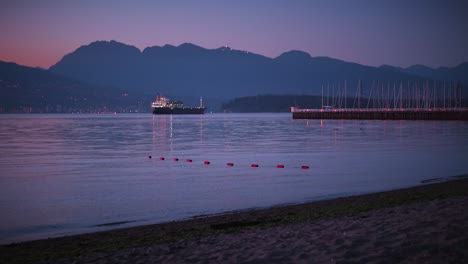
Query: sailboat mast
point(359, 94)
point(322, 96)
point(345, 95)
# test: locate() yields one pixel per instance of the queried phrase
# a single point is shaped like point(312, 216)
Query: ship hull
point(179, 111)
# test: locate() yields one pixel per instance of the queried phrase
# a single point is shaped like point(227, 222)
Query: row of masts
point(409, 95)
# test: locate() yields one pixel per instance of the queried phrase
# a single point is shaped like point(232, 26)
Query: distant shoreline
point(243, 221)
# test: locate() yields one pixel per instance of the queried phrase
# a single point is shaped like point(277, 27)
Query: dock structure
point(382, 114)
point(391, 102)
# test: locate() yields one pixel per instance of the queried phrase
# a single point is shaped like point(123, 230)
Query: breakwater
point(382, 114)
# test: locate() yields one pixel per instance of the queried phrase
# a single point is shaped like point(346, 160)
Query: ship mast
point(201, 101)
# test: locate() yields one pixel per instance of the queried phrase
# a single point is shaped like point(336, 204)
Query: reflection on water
point(64, 174)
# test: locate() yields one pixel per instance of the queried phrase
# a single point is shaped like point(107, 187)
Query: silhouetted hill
point(270, 103)
point(102, 63)
point(294, 57)
point(421, 70)
point(26, 89)
point(216, 74)
point(458, 73)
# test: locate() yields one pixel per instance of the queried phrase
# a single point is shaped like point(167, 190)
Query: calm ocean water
point(67, 174)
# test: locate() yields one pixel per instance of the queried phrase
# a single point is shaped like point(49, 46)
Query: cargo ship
point(163, 106)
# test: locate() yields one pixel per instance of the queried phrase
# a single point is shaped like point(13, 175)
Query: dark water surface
point(66, 174)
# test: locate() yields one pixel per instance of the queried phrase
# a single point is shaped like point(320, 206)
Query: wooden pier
point(382, 114)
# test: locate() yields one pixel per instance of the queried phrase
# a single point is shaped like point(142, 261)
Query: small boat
point(163, 106)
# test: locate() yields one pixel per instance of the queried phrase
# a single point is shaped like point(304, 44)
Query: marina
point(389, 102)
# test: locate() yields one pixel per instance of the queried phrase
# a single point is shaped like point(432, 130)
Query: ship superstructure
point(164, 106)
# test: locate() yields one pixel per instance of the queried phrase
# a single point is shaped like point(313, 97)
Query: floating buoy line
point(280, 166)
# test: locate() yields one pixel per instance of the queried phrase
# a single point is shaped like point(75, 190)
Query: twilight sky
point(370, 32)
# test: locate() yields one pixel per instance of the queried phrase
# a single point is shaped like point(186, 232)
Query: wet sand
point(424, 224)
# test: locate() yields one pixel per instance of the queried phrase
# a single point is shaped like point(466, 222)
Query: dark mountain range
point(458, 73)
point(217, 74)
point(26, 89)
point(94, 77)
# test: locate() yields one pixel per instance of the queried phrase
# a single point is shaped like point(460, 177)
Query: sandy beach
point(423, 224)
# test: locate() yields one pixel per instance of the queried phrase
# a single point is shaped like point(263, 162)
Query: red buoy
point(304, 167)
point(161, 158)
point(254, 165)
point(280, 166)
point(176, 159)
point(189, 160)
point(149, 157)
point(206, 162)
point(230, 164)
